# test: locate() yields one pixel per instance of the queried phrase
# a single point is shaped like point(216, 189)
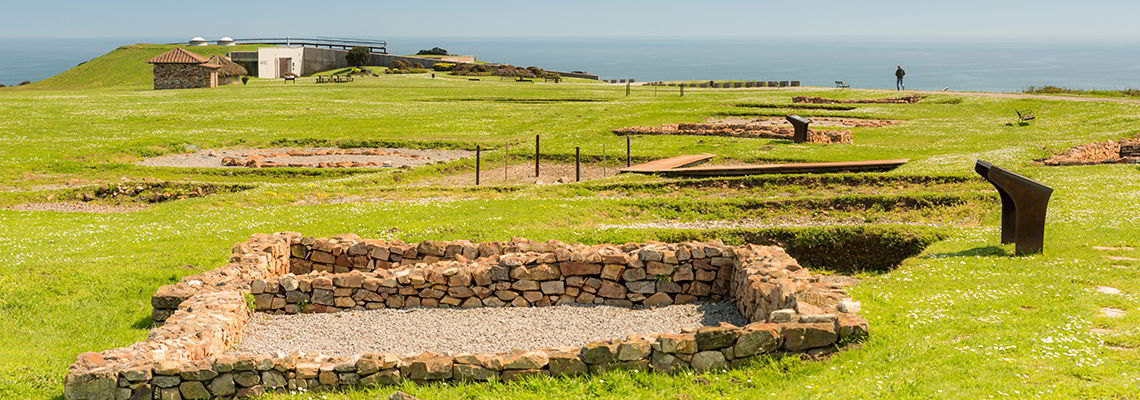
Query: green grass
point(962, 319)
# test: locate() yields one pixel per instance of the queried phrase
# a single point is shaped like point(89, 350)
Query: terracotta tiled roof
point(178, 56)
point(210, 66)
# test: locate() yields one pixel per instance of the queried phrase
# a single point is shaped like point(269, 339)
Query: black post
point(682, 90)
point(627, 90)
point(627, 152)
point(536, 142)
point(478, 156)
point(577, 164)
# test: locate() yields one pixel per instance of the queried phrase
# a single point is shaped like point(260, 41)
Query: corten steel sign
point(1023, 206)
point(801, 125)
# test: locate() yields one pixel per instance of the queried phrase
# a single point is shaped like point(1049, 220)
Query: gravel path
point(410, 331)
point(213, 158)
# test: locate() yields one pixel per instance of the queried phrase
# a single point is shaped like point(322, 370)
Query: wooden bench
point(842, 85)
point(523, 80)
point(1025, 116)
point(324, 78)
point(290, 78)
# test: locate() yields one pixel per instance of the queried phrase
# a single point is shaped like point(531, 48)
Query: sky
point(898, 19)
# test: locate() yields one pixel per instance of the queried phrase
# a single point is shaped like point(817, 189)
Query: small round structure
point(198, 41)
point(226, 41)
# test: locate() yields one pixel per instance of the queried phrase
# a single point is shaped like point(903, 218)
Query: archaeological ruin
point(200, 318)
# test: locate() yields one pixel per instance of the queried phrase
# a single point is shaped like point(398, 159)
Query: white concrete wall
point(267, 60)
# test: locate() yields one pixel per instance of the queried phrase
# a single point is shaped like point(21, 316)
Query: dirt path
point(980, 94)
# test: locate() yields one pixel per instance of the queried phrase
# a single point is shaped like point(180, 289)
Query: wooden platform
point(799, 168)
point(668, 164)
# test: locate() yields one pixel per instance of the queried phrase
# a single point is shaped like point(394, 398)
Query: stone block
point(799, 337)
point(709, 360)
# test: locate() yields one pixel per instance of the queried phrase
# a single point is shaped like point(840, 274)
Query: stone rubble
point(261, 160)
point(202, 316)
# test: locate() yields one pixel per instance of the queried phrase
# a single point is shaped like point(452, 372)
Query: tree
point(357, 56)
point(435, 51)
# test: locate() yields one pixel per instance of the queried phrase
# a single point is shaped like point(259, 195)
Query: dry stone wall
point(791, 311)
point(1123, 151)
point(1130, 148)
point(183, 76)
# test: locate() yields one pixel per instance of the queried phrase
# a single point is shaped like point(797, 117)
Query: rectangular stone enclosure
point(200, 317)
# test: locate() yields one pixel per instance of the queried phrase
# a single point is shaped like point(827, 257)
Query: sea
point(1005, 65)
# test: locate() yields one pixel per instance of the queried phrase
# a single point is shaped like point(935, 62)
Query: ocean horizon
point(965, 64)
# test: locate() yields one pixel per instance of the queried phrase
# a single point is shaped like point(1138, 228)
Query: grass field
point(963, 319)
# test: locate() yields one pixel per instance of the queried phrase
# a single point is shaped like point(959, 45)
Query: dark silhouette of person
point(899, 74)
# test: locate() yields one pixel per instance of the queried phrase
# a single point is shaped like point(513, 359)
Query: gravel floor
point(213, 158)
point(410, 331)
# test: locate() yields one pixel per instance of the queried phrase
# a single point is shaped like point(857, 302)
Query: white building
point(275, 62)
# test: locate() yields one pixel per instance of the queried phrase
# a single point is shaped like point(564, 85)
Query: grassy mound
point(124, 67)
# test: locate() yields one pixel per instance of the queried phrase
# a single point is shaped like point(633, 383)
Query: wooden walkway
point(667, 164)
point(684, 166)
point(800, 168)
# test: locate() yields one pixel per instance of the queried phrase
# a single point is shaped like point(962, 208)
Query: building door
point(284, 66)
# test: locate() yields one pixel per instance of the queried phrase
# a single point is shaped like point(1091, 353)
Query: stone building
point(182, 69)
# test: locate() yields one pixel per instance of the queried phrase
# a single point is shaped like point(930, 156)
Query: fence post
point(627, 85)
point(577, 164)
point(682, 90)
point(627, 153)
point(536, 143)
point(478, 156)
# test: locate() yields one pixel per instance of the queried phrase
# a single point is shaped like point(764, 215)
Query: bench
point(842, 85)
point(324, 78)
point(290, 78)
point(1025, 116)
point(523, 80)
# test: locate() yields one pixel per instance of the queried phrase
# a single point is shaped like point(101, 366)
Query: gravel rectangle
point(477, 330)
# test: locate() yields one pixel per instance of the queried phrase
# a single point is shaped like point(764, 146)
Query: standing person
point(899, 74)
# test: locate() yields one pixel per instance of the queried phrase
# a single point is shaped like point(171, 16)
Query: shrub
point(244, 80)
point(435, 51)
point(443, 66)
point(404, 67)
point(358, 56)
point(472, 69)
point(25, 83)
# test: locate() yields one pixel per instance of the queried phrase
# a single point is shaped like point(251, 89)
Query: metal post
point(682, 90)
point(627, 90)
point(506, 162)
point(478, 156)
point(536, 142)
point(627, 152)
point(577, 164)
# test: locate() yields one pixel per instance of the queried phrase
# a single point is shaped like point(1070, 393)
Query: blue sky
point(920, 19)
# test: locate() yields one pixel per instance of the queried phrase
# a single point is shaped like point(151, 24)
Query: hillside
point(122, 68)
